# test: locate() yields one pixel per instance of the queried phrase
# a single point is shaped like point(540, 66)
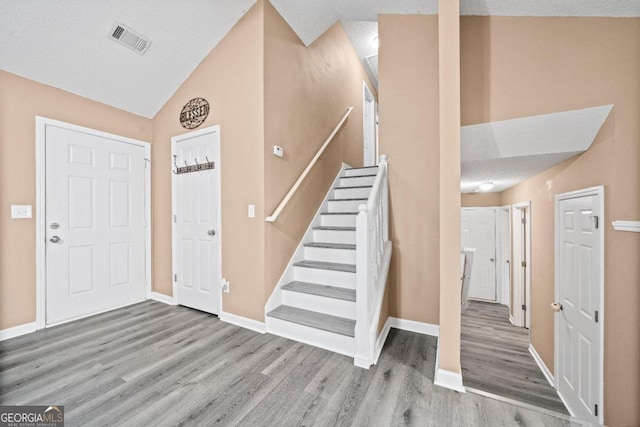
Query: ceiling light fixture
point(485, 186)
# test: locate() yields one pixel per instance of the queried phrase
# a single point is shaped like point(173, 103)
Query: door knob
point(491, 259)
point(211, 232)
point(55, 239)
point(556, 306)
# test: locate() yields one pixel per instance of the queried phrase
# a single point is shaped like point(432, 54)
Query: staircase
point(315, 302)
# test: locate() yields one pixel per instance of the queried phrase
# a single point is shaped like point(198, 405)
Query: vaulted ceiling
point(65, 43)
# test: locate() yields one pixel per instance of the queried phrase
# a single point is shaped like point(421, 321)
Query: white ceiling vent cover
point(129, 38)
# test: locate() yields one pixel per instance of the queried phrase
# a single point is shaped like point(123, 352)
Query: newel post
point(362, 358)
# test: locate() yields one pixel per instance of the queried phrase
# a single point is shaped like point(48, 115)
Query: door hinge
point(596, 221)
point(596, 316)
point(524, 220)
point(524, 307)
point(175, 219)
point(595, 410)
point(175, 277)
point(524, 263)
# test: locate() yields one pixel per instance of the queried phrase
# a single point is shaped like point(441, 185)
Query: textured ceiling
point(509, 151)
point(364, 38)
point(65, 44)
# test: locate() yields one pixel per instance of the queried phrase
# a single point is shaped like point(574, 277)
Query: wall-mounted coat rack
point(187, 168)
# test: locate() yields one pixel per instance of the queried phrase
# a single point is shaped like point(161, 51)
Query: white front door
point(479, 232)
point(95, 223)
point(197, 251)
point(578, 290)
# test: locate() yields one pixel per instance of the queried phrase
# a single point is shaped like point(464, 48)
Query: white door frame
point(218, 203)
point(367, 100)
point(521, 317)
point(41, 227)
point(503, 259)
point(592, 191)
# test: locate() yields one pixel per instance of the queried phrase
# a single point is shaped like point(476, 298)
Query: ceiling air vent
point(129, 38)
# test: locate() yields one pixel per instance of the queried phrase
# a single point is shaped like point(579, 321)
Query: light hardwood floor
point(156, 365)
point(495, 358)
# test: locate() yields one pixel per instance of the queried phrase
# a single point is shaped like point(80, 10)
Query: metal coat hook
point(192, 168)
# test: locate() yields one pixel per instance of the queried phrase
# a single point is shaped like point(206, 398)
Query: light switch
point(252, 211)
point(278, 151)
point(21, 211)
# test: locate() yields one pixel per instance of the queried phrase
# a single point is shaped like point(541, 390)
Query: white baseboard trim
point(382, 338)
point(445, 378)
point(413, 326)
point(243, 322)
point(547, 373)
point(17, 331)
point(161, 298)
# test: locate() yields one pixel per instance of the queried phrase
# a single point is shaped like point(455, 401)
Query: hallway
point(495, 358)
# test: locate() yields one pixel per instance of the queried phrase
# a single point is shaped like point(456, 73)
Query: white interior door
point(578, 290)
point(95, 223)
point(369, 127)
point(479, 232)
point(197, 251)
point(504, 270)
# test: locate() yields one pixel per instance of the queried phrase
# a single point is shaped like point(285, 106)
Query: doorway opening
point(521, 231)
point(370, 127)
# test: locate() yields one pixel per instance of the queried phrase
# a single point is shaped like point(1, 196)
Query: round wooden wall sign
point(194, 113)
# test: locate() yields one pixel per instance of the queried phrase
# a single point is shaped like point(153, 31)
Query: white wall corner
point(243, 322)
point(414, 326)
point(17, 331)
point(543, 367)
point(165, 299)
point(382, 338)
point(445, 378)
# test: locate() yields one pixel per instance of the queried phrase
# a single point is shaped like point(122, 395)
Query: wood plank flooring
point(157, 365)
point(495, 358)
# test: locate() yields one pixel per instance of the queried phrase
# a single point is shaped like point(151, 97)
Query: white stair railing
point(373, 256)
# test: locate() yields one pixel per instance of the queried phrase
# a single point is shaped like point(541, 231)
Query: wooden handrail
point(305, 172)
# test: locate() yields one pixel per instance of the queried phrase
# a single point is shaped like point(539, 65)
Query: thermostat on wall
point(278, 151)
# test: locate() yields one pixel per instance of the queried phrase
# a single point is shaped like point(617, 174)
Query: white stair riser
point(338, 220)
point(332, 306)
point(343, 256)
point(358, 172)
point(312, 336)
point(345, 205)
point(334, 236)
point(341, 279)
point(356, 181)
point(351, 193)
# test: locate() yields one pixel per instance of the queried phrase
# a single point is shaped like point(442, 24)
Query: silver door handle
point(491, 259)
point(211, 232)
point(55, 239)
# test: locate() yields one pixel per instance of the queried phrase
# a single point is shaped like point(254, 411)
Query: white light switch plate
point(21, 211)
point(251, 211)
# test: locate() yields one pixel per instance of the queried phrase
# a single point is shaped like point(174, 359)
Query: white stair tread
point(348, 200)
point(347, 268)
point(350, 188)
point(364, 167)
point(313, 319)
point(331, 246)
point(321, 290)
point(356, 176)
point(339, 213)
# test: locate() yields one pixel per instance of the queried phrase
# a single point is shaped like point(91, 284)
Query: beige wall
point(515, 67)
point(231, 79)
point(21, 100)
point(481, 200)
point(307, 91)
point(449, 69)
point(408, 95)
